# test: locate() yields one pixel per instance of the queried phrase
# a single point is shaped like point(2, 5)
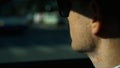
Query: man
point(95, 29)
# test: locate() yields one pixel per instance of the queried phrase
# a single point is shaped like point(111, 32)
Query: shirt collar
point(117, 66)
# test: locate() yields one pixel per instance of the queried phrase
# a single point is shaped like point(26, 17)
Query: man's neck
point(106, 55)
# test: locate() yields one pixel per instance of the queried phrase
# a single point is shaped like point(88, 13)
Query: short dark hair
point(110, 7)
point(107, 8)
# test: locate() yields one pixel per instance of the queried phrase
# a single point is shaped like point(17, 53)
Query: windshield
point(13, 7)
point(45, 36)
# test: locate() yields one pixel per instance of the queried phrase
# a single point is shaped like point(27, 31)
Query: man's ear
point(96, 21)
point(96, 27)
point(102, 25)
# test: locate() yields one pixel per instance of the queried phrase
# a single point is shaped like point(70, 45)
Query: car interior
point(33, 34)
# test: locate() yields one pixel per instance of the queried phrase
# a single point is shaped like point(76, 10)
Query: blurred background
point(32, 30)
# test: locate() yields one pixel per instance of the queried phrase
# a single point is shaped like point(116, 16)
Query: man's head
point(90, 21)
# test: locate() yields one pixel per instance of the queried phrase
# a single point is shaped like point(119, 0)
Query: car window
point(32, 30)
